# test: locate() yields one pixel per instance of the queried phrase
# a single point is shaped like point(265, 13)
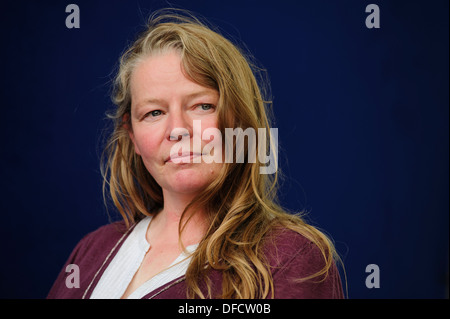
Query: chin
point(190, 180)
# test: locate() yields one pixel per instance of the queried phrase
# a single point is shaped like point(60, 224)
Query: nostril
point(176, 133)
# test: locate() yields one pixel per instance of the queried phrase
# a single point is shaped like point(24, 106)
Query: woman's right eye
point(154, 113)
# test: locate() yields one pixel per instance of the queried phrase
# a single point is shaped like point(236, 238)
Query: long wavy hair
point(241, 203)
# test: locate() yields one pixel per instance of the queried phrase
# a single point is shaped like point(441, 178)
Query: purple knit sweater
point(290, 256)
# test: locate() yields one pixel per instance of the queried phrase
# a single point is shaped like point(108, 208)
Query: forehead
point(161, 76)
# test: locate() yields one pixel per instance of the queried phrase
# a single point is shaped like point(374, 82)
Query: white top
point(121, 270)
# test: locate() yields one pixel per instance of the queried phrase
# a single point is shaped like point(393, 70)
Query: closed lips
point(184, 155)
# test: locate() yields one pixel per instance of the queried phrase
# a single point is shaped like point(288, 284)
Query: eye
point(206, 106)
point(154, 113)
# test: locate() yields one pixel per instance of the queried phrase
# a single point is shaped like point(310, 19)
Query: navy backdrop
point(362, 117)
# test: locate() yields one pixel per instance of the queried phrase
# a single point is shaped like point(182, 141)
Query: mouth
point(182, 158)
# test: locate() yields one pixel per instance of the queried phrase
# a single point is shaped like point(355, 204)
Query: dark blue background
point(362, 117)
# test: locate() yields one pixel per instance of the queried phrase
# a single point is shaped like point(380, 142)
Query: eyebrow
point(187, 97)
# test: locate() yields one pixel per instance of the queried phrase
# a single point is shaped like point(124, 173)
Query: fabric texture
point(290, 255)
point(119, 273)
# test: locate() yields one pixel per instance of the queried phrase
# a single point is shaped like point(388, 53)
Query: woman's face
point(164, 106)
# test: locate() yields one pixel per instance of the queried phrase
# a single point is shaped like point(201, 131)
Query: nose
point(178, 133)
point(178, 125)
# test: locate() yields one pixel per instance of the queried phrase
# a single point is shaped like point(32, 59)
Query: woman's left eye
point(205, 106)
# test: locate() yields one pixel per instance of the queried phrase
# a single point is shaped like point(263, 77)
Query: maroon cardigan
point(290, 256)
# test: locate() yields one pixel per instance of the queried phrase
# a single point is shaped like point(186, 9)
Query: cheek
point(209, 126)
point(213, 146)
point(149, 149)
point(146, 145)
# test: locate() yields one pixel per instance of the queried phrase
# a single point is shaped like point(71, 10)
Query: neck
point(165, 225)
point(174, 205)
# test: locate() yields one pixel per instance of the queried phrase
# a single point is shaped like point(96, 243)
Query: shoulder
point(100, 240)
point(89, 255)
point(283, 244)
point(105, 233)
point(292, 258)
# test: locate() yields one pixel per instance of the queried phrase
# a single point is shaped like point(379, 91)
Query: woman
point(195, 225)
